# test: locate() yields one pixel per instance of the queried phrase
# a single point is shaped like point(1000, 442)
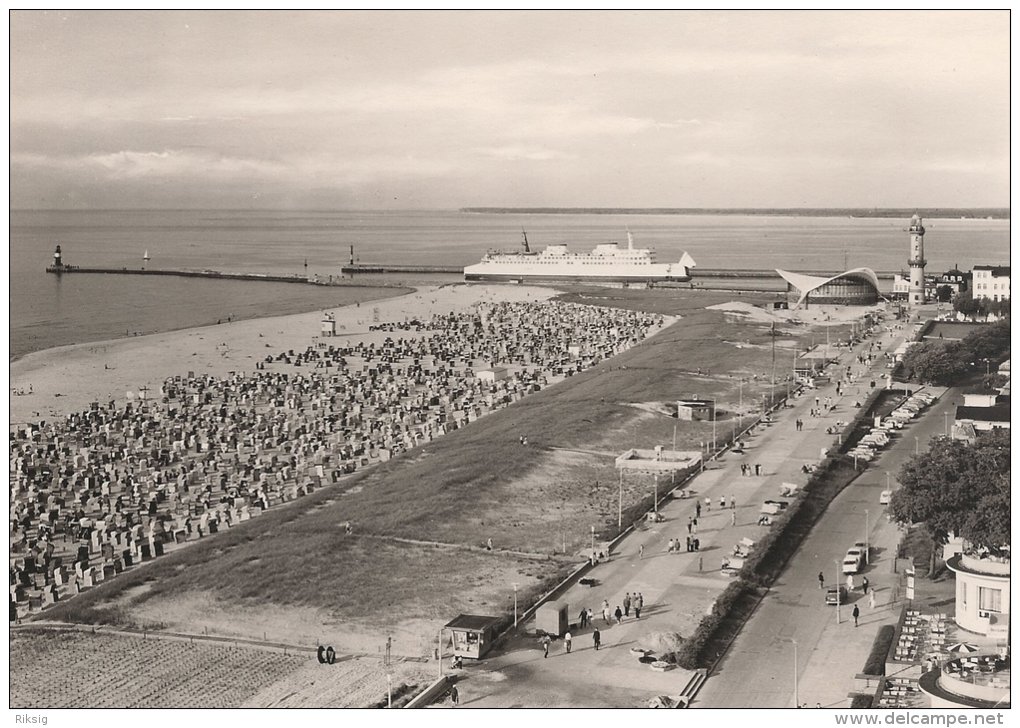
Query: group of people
point(746, 469)
point(222, 449)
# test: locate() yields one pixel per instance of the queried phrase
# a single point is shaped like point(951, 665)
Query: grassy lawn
point(476, 483)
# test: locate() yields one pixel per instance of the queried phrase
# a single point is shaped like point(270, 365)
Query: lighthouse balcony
point(917, 262)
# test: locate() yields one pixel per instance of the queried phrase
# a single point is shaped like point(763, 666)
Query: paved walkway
point(677, 588)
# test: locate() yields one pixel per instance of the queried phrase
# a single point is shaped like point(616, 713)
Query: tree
point(991, 341)
point(968, 305)
point(936, 362)
point(944, 293)
point(959, 488)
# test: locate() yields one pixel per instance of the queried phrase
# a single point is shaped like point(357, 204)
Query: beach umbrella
point(962, 647)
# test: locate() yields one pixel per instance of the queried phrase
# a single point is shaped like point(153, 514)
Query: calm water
point(48, 311)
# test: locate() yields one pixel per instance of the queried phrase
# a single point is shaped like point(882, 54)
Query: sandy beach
point(68, 378)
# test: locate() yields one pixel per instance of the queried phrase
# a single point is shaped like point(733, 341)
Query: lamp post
point(515, 604)
point(656, 502)
point(796, 685)
point(946, 415)
point(439, 652)
point(593, 542)
point(619, 506)
point(740, 407)
point(713, 425)
point(867, 537)
point(839, 576)
point(917, 445)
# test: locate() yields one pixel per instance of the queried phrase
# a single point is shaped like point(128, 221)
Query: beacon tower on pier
point(916, 262)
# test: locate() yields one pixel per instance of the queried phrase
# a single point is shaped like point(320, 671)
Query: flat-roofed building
point(991, 281)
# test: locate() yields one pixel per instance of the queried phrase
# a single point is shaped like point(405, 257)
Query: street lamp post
point(946, 415)
point(839, 574)
point(593, 542)
point(740, 407)
point(796, 685)
point(867, 537)
point(515, 604)
point(713, 425)
point(619, 506)
point(917, 445)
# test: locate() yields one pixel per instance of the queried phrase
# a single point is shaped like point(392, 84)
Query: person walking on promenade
point(864, 585)
point(690, 524)
point(697, 509)
point(583, 618)
point(619, 615)
point(454, 696)
point(606, 612)
point(694, 527)
point(733, 518)
point(701, 564)
point(545, 645)
point(850, 582)
point(733, 503)
point(626, 605)
point(856, 613)
point(591, 616)
point(596, 637)
point(871, 600)
point(641, 551)
point(690, 544)
point(639, 602)
point(821, 580)
point(566, 641)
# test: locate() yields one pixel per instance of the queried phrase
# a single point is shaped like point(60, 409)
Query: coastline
point(68, 378)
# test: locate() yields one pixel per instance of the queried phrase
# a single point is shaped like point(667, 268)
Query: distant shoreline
point(975, 213)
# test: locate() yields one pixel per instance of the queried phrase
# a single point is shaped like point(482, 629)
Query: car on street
point(885, 497)
point(830, 595)
point(853, 561)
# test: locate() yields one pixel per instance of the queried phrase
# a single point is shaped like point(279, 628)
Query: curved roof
point(806, 284)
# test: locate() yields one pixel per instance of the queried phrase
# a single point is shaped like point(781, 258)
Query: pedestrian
point(821, 580)
point(849, 582)
point(690, 525)
point(488, 545)
point(701, 564)
point(689, 542)
point(546, 641)
point(856, 613)
point(640, 604)
point(454, 696)
point(618, 614)
point(708, 505)
point(626, 605)
point(733, 503)
point(694, 527)
point(722, 502)
point(596, 637)
point(669, 547)
point(583, 618)
point(864, 584)
point(871, 600)
point(733, 518)
point(743, 468)
point(566, 641)
point(641, 551)
point(697, 509)
point(591, 616)
point(697, 545)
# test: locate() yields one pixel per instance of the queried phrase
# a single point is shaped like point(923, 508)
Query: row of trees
point(959, 488)
point(945, 363)
point(966, 304)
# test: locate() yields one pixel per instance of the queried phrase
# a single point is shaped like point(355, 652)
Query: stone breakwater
point(106, 488)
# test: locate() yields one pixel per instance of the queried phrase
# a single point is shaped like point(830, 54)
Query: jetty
point(312, 280)
point(356, 268)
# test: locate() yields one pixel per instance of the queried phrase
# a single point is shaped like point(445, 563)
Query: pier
point(313, 280)
point(356, 268)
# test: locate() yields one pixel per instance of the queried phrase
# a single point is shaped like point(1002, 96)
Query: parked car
point(853, 561)
point(830, 595)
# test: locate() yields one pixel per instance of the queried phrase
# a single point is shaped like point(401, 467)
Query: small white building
point(991, 282)
point(493, 374)
point(982, 590)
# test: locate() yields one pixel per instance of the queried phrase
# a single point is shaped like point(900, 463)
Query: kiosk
point(473, 634)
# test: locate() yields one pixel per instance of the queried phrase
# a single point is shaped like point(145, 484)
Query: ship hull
point(568, 278)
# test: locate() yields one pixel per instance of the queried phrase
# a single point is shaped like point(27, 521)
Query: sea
point(48, 310)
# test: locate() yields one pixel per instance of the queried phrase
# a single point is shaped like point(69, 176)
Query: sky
point(442, 110)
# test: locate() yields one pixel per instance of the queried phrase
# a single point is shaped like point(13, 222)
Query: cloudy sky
point(442, 110)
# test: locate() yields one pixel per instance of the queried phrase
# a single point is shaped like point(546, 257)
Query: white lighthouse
point(916, 262)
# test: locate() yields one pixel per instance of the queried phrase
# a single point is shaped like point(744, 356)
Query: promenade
point(677, 588)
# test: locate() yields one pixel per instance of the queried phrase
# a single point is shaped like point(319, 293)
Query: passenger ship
point(607, 263)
